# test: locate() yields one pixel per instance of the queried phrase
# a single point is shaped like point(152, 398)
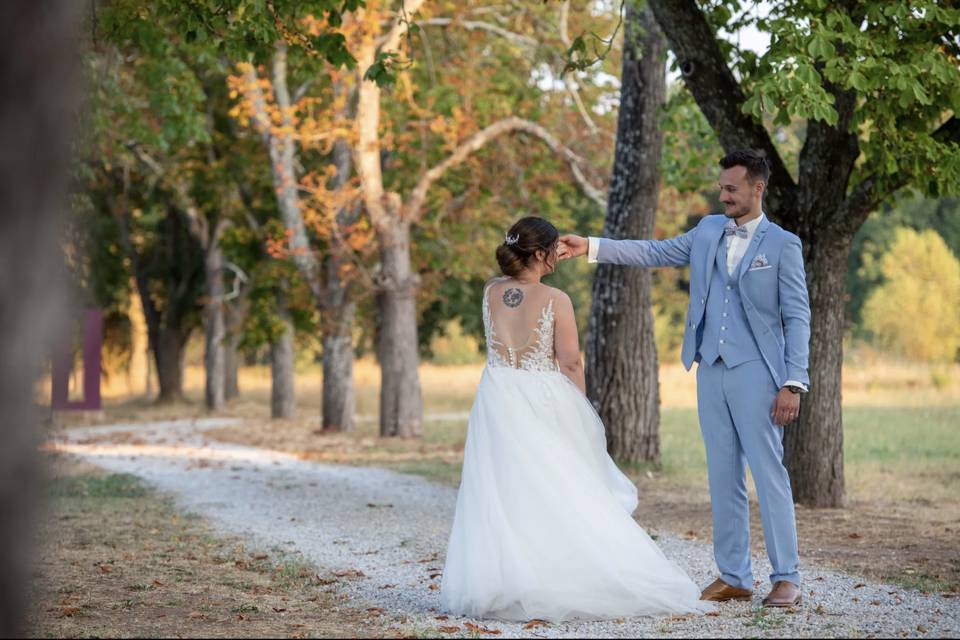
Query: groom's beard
point(737, 212)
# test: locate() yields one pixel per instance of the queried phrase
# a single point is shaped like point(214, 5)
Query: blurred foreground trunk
point(37, 77)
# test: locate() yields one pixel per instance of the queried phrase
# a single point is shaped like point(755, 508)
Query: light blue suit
point(750, 332)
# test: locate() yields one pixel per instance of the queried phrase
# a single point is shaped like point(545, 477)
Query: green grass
point(116, 485)
point(901, 453)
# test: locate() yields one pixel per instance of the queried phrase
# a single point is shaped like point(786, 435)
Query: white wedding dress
point(543, 526)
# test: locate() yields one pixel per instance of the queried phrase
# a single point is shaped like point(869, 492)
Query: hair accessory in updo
point(528, 240)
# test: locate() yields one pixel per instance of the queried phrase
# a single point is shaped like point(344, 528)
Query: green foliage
point(875, 239)
point(914, 311)
point(899, 59)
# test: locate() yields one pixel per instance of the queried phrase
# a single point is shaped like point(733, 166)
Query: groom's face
point(737, 193)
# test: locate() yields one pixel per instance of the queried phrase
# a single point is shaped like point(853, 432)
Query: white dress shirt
point(736, 248)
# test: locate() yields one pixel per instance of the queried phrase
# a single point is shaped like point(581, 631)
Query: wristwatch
point(795, 389)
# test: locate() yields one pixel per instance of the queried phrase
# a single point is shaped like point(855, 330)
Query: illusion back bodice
point(519, 326)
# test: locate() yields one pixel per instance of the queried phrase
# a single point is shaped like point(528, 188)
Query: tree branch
point(868, 194)
point(718, 94)
point(413, 208)
point(518, 39)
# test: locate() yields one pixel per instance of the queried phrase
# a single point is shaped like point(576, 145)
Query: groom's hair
point(756, 164)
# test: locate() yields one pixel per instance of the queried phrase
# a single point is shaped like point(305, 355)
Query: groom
point(748, 327)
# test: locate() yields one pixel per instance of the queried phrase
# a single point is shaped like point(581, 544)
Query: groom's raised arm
point(674, 252)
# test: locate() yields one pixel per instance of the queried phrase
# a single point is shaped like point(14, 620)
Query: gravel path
point(393, 528)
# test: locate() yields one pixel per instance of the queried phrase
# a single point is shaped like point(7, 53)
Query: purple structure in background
point(92, 330)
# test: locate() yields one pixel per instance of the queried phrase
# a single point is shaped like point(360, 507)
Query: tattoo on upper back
point(512, 297)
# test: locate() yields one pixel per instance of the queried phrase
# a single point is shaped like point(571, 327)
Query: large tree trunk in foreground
point(401, 406)
point(214, 327)
point(813, 445)
point(37, 74)
point(621, 369)
point(282, 399)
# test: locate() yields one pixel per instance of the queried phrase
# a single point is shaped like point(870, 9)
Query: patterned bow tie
point(732, 228)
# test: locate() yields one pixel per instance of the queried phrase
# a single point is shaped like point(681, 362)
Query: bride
point(543, 526)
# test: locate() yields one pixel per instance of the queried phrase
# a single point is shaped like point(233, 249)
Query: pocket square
point(759, 261)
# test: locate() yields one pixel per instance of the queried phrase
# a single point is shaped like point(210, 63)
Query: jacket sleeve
point(674, 252)
point(795, 311)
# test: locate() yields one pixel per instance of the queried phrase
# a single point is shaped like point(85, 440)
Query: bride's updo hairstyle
point(521, 243)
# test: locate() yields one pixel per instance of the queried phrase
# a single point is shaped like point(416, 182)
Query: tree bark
point(214, 328)
point(282, 398)
point(337, 310)
point(401, 405)
point(813, 445)
point(38, 72)
point(169, 350)
point(235, 312)
point(338, 399)
point(621, 369)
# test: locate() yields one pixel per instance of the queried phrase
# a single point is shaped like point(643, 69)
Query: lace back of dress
point(520, 341)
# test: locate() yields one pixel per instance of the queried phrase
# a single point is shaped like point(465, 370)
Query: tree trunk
point(337, 327)
point(813, 445)
point(337, 309)
point(401, 406)
point(282, 399)
point(38, 72)
point(214, 358)
point(621, 369)
point(168, 351)
point(338, 402)
point(234, 314)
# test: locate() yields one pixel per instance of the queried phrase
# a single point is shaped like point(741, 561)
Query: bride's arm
point(566, 342)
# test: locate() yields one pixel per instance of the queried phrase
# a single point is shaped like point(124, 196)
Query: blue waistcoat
point(726, 330)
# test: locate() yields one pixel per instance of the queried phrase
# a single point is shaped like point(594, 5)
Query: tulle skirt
point(543, 525)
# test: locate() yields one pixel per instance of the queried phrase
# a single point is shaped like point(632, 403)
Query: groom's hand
point(786, 407)
point(572, 246)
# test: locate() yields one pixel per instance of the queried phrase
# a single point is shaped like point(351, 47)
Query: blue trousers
point(734, 406)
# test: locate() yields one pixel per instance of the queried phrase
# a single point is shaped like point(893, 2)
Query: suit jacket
point(773, 288)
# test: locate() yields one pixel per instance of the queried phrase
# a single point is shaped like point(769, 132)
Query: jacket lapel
point(752, 249)
point(713, 248)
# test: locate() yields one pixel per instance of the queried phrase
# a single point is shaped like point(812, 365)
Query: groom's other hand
point(786, 407)
point(572, 246)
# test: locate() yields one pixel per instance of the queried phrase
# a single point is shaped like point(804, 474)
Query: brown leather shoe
point(720, 591)
point(783, 594)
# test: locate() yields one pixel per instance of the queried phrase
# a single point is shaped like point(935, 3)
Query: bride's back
point(519, 321)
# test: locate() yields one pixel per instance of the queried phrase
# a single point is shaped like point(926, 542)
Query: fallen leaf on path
point(441, 618)
point(157, 583)
point(859, 585)
point(69, 612)
point(536, 622)
point(713, 614)
point(278, 610)
point(377, 611)
point(193, 615)
point(478, 629)
point(854, 536)
point(261, 556)
point(435, 575)
point(388, 586)
point(448, 629)
point(434, 587)
point(350, 573)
